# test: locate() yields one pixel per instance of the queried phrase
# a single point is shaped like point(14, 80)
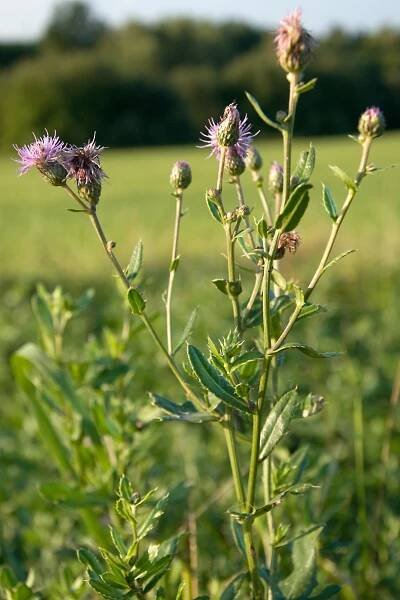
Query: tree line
point(143, 84)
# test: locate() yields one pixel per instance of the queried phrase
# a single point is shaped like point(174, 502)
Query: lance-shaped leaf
point(136, 262)
point(287, 408)
point(346, 179)
point(185, 412)
point(232, 590)
point(261, 113)
point(300, 583)
point(302, 88)
point(309, 310)
point(295, 208)
point(246, 358)
point(329, 202)
point(187, 332)
point(214, 210)
point(305, 349)
point(337, 259)
point(213, 381)
point(305, 167)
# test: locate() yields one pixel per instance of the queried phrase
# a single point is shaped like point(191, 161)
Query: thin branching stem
point(173, 268)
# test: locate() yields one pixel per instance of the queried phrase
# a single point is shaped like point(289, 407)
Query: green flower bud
point(234, 163)
point(275, 180)
point(54, 173)
point(181, 175)
point(229, 128)
point(254, 160)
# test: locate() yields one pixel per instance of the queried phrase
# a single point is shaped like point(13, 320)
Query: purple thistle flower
point(231, 132)
point(83, 163)
point(43, 152)
point(294, 44)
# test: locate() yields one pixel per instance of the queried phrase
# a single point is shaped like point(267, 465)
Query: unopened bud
point(229, 127)
point(54, 173)
point(372, 123)
point(231, 216)
point(294, 44)
point(275, 179)
point(234, 163)
point(243, 211)
point(212, 195)
point(254, 160)
point(90, 192)
point(181, 175)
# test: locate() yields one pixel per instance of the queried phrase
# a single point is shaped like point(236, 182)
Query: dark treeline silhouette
point(157, 84)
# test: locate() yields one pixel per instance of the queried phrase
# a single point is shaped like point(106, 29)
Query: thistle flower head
point(275, 178)
point(230, 132)
point(372, 123)
point(294, 44)
point(45, 154)
point(254, 159)
point(181, 175)
point(83, 163)
point(234, 163)
point(287, 241)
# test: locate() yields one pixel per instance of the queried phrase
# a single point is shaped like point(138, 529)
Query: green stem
point(240, 196)
point(173, 267)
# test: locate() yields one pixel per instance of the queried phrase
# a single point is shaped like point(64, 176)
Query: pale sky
point(26, 19)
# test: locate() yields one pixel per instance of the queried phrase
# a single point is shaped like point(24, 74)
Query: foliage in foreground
point(236, 389)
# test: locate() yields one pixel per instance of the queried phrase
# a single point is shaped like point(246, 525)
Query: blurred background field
point(148, 88)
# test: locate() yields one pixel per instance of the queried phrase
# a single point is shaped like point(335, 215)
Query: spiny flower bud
point(372, 123)
point(212, 195)
point(294, 44)
point(253, 159)
point(231, 216)
point(275, 179)
point(287, 241)
point(181, 175)
point(228, 129)
point(90, 192)
point(234, 163)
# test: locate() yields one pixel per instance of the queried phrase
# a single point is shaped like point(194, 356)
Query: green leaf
point(42, 312)
point(300, 583)
point(214, 210)
point(180, 412)
point(106, 590)
point(187, 332)
point(174, 264)
point(233, 588)
point(279, 279)
point(329, 202)
point(213, 381)
point(7, 577)
point(90, 560)
point(61, 493)
point(305, 166)
point(221, 285)
point(263, 229)
point(346, 179)
point(298, 295)
point(309, 310)
point(136, 301)
point(136, 262)
point(337, 259)
point(278, 421)
point(261, 113)
point(295, 208)
point(302, 88)
point(329, 592)
point(308, 350)
point(248, 358)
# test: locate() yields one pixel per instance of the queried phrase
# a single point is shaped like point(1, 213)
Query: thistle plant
point(238, 383)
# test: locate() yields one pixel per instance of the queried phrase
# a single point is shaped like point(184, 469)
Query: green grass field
point(41, 240)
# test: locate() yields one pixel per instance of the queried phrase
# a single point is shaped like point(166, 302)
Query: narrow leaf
point(308, 350)
point(306, 87)
point(187, 332)
point(136, 262)
point(346, 179)
point(277, 423)
point(329, 202)
point(300, 583)
point(295, 208)
point(261, 113)
point(213, 381)
point(337, 259)
point(213, 208)
point(136, 301)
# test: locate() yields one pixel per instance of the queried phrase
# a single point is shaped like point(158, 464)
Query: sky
point(26, 19)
